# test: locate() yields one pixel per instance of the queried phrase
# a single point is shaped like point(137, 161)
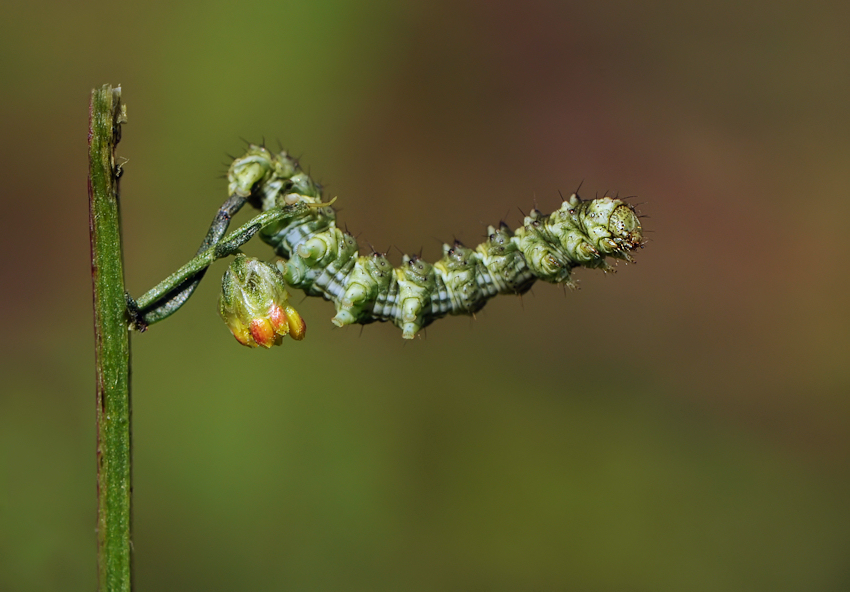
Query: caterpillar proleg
point(322, 260)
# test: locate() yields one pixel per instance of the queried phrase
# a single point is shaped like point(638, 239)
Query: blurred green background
point(681, 425)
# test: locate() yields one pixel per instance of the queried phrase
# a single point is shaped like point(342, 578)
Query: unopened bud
point(255, 304)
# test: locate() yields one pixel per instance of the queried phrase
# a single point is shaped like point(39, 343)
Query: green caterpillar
point(322, 260)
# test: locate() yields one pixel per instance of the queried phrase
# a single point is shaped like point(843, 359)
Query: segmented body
point(324, 261)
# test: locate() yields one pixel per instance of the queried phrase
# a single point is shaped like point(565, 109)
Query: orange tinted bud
point(263, 332)
point(278, 319)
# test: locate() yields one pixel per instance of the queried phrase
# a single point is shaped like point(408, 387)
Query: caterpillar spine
point(322, 260)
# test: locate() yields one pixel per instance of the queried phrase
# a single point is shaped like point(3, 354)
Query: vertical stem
point(112, 348)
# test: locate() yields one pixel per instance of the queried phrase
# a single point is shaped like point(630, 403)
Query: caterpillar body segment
point(505, 270)
point(322, 260)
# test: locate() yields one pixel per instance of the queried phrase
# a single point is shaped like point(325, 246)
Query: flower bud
point(255, 304)
point(297, 326)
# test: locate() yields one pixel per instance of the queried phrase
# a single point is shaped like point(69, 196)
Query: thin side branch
point(151, 304)
point(170, 303)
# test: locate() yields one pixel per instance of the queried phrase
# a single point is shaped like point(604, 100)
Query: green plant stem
point(167, 306)
point(229, 245)
point(112, 347)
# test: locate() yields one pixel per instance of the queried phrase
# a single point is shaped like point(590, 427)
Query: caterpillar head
point(626, 232)
point(624, 224)
point(611, 226)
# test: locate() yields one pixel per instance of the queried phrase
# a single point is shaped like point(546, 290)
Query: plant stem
point(112, 347)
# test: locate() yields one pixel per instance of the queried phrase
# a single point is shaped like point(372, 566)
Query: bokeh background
point(683, 424)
